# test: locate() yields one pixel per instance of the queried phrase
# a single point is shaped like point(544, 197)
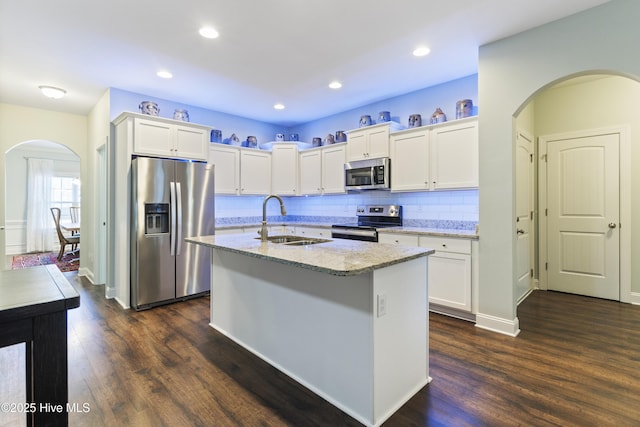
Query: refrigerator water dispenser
point(156, 218)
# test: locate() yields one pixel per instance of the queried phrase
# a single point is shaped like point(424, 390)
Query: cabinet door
point(311, 172)
point(153, 138)
point(227, 168)
point(323, 233)
point(357, 145)
point(449, 279)
point(333, 169)
point(191, 143)
point(410, 161)
point(378, 142)
point(255, 172)
point(398, 239)
point(454, 156)
point(284, 169)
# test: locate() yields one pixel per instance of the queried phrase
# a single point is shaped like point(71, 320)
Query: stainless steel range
point(370, 219)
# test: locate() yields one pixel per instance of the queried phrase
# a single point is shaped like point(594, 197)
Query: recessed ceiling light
point(335, 85)
point(279, 106)
point(164, 74)
point(421, 51)
point(52, 92)
point(208, 33)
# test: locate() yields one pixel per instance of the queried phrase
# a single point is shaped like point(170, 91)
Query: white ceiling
point(268, 51)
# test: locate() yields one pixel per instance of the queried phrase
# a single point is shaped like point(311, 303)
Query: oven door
point(354, 233)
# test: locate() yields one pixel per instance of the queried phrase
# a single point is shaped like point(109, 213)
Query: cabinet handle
point(444, 245)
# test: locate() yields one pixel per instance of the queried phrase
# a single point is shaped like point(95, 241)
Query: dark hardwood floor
point(575, 363)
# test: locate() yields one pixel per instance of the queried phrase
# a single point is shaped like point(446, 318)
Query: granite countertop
point(338, 257)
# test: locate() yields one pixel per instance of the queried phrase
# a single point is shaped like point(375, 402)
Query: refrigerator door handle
point(172, 234)
point(179, 211)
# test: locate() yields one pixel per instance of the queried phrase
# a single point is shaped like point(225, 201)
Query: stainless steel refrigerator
point(171, 200)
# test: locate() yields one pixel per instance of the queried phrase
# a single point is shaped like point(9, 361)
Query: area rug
point(44, 258)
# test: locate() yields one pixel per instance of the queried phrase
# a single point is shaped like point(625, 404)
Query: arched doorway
point(63, 190)
point(578, 105)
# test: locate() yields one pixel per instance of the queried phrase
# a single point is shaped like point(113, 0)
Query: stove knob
point(392, 211)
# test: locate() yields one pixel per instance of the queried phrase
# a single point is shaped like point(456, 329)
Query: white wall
point(19, 124)
point(511, 71)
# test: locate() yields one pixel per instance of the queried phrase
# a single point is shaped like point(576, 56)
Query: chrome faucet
point(264, 233)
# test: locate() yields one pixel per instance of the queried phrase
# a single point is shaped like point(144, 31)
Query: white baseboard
point(498, 324)
point(635, 298)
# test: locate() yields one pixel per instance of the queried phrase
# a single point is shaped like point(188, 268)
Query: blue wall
point(423, 101)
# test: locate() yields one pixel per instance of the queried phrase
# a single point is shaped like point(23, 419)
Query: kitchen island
point(347, 319)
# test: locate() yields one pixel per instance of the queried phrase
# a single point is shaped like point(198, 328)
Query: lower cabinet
point(324, 233)
point(451, 271)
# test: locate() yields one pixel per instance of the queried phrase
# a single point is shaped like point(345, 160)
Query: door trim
point(625, 202)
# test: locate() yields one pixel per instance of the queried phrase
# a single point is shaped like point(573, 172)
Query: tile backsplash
point(458, 209)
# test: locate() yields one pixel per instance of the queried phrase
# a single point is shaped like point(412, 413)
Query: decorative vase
point(181, 114)
point(415, 120)
point(149, 108)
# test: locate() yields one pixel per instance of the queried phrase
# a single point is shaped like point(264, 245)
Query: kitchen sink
point(295, 240)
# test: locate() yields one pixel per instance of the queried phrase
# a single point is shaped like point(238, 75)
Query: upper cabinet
point(284, 169)
point(410, 169)
point(322, 170)
point(240, 170)
point(370, 142)
point(160, 137)
point(310, 162)
point(226, 161)
point(454, 155)
point(255, 171)
point(333, 157)
point(437, 157)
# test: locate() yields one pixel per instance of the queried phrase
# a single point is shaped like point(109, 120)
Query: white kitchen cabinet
point(227, 168)
point(435, 157)
point(449, 272)
point(168, 138)
point(323, 233)
point(284, 169)
point(333, 158)
point(310, 162)
point(410, 168)
point(454, 155)
point(369, 142)
point(322, 170)
point(452, 273)
point(255, 172)
point(398, 239)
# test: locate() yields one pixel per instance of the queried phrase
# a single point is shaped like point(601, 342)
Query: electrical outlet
point(382, 305)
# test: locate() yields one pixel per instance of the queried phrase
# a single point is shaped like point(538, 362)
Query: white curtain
point(39, 219)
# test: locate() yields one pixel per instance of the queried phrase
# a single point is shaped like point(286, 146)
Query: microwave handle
point(372, 170)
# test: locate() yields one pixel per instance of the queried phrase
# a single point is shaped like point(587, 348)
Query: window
point(65, 192)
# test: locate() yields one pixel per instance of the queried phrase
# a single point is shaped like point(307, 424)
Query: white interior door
point(583, 200)
point(524, 213)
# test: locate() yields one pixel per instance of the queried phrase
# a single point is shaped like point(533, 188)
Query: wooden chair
point(64, 240)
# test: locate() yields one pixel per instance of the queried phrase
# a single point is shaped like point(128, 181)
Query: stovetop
point(376, 216)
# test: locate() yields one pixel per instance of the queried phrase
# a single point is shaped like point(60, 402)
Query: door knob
point(612, 225)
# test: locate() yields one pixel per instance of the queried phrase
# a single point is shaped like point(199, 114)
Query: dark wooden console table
point(33, 310)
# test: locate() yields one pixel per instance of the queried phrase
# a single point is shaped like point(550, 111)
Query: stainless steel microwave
point(370, 174)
